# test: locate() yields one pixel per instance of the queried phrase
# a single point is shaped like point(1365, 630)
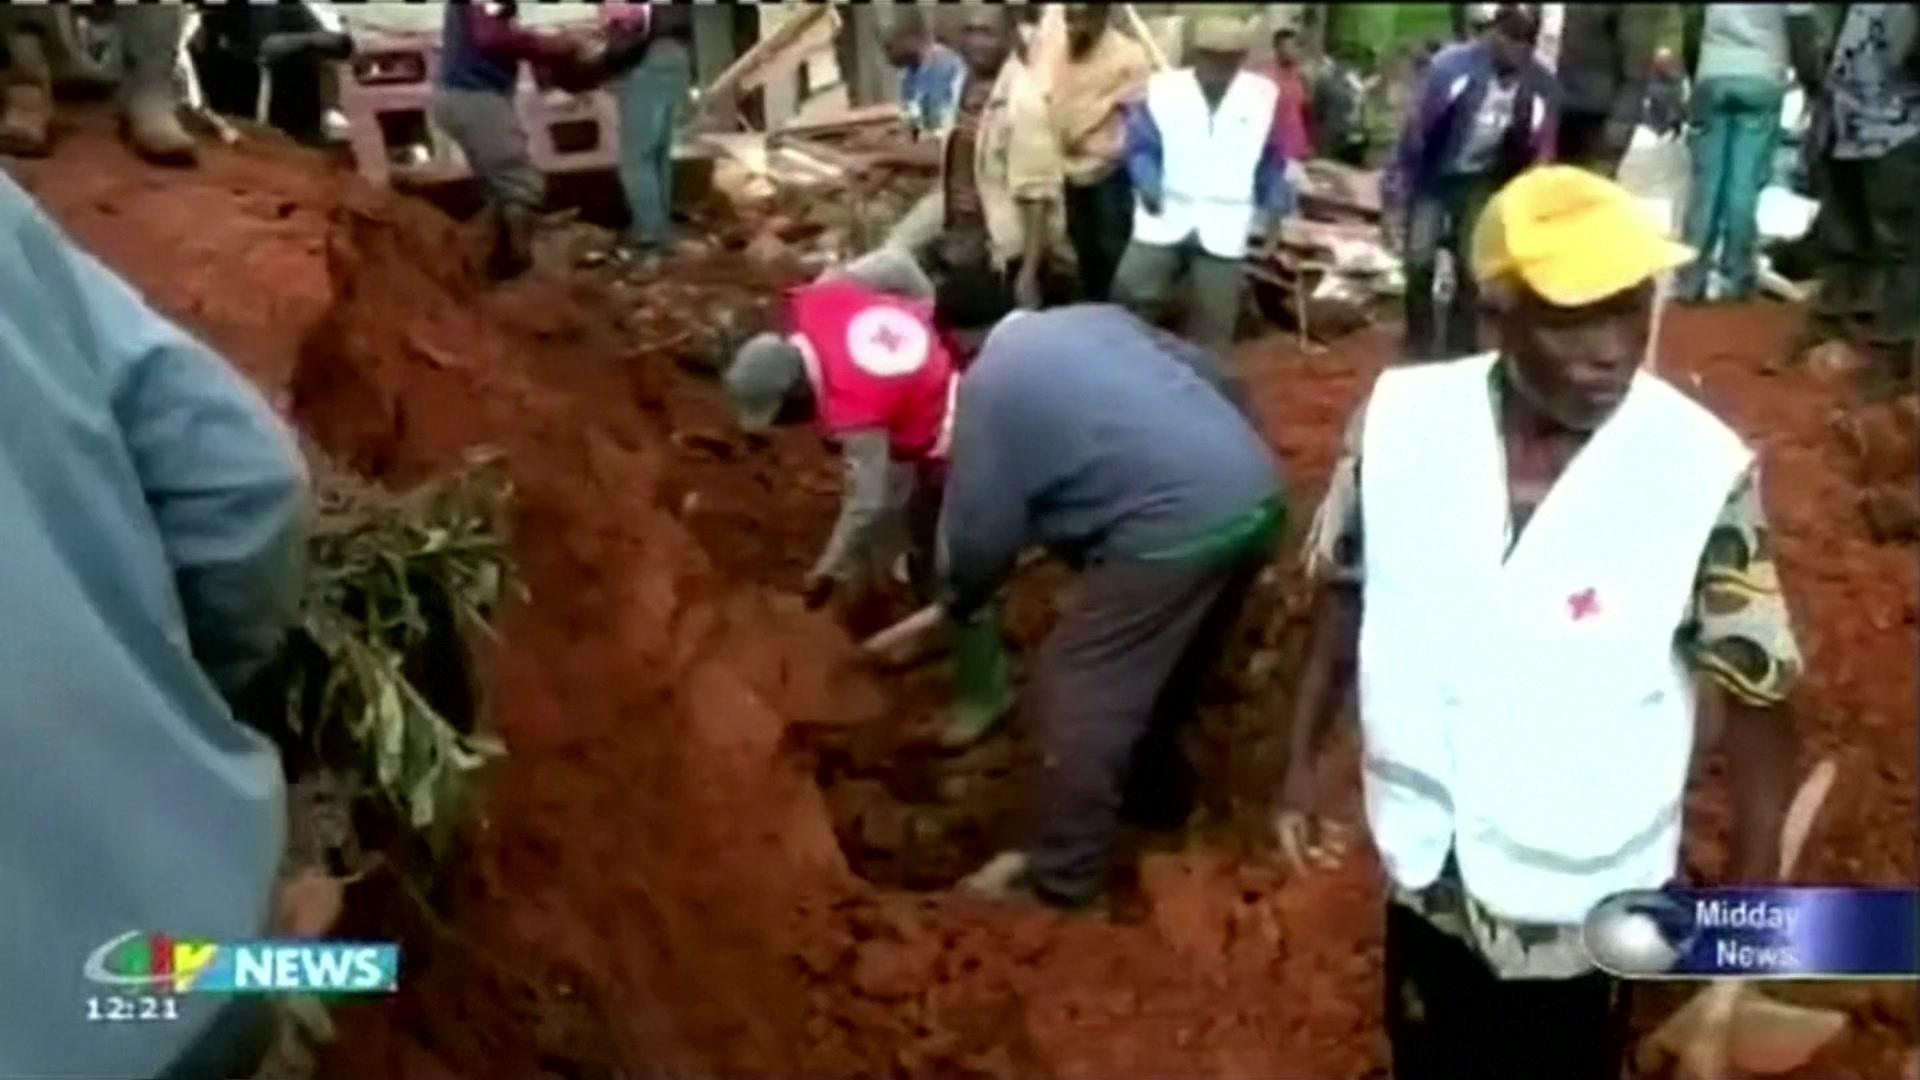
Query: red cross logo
point(888, 338)
point(1583, 604)
point(887, 342)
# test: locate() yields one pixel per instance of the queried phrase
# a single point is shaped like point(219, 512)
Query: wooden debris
point(791, 44)
point(1340, 191)
point(851, 120)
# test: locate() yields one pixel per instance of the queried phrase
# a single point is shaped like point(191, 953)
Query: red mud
point(660, 884)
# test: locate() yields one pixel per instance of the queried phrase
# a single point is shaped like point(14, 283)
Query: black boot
point(512, 243)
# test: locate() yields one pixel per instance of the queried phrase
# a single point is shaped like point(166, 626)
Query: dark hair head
point(1517, 22)
point(970, 298)
point(905, 24)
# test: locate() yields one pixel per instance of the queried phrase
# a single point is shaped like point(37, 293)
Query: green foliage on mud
point(401, 594)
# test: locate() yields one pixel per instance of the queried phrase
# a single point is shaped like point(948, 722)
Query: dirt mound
point(659, 884)
point(646, 851)
point(655, 828)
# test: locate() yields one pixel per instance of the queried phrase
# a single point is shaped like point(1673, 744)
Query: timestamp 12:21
point(118, 1008)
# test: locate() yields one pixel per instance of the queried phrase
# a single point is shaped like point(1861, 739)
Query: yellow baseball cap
point(1573, 237)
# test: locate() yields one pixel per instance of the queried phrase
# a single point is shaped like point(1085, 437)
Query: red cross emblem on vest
point(886, 341)
point(1583, 605)
point(888, 338)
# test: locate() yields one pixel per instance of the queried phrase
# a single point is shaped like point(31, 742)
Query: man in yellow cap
point(1528, 555)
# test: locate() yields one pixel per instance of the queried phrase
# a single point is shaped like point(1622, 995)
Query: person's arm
point(1546, 133)
point(1639, 30)
point(1741, 639)
point(627, 46)
point(983, 519)
point(498, 38)
point(942, 99)
point(1332, 644)
point(910, 103)
point(1693, 19)
point(1144, 161)
point(223, 479)
point(888, 270)
point(1332, 559)
point(1429, 109)
point(1804, 47)
point(1272, 194)
point(865, 461)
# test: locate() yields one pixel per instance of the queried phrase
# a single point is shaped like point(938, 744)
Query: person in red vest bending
point(861, 358)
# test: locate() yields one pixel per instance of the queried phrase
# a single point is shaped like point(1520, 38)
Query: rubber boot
point(26, 98)
point(150, 110)
point(983, 690)
point(512, 243)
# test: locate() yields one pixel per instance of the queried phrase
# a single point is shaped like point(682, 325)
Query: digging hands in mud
point(1308, 841)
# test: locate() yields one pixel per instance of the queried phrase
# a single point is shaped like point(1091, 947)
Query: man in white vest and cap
point(1206, 168)
point(1531, 554)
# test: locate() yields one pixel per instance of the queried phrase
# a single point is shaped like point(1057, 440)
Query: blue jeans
point(1736, 124)
point(1443, 218)
point(650, 100)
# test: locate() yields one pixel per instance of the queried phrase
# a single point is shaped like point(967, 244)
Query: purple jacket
point(1455, 84)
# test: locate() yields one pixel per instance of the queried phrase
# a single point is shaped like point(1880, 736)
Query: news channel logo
point(1641, 933)
point(143, 963)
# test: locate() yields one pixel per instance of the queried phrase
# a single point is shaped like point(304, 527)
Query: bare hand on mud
point(1311, 843)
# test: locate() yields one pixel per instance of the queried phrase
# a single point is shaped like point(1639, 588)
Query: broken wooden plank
point(850, 161)
point(847, 122)
point(1138, 28)
point(791, 44)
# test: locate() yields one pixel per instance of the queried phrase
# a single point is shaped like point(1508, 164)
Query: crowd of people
point(1014, 420)
point(1012, 371)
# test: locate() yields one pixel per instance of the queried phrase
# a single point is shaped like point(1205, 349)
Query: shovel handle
point(1801, 813)
point(924, 621)
point(913, 626)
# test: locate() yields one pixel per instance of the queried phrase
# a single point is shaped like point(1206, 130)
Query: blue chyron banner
point(1786, 933)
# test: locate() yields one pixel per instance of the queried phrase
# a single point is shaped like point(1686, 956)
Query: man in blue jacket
point(930, 74)
point(1131, 454)
point(153, 510)
point(1485, 111)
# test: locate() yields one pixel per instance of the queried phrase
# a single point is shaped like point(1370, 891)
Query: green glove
point(982, 681)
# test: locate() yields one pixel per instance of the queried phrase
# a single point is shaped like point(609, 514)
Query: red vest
point(874, 362)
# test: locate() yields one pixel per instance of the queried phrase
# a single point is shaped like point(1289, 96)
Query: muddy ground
point(719, 845)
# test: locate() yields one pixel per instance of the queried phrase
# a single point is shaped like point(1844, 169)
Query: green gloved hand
point(982, 681)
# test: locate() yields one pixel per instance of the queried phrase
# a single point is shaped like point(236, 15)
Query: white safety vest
point(1529, 710)
point(1208, 161)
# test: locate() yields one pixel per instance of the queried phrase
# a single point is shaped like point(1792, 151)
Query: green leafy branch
point(401, 592)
